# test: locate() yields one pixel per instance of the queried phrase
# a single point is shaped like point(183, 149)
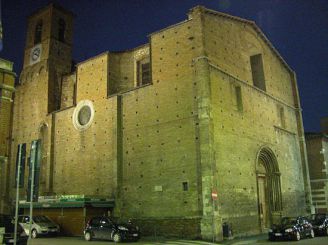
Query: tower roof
point(52, 6)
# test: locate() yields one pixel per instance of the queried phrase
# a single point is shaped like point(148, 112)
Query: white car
point(41, 225)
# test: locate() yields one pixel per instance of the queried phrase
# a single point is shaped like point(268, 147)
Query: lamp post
point(19, 160)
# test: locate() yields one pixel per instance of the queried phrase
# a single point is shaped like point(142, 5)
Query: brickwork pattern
point(160, 149)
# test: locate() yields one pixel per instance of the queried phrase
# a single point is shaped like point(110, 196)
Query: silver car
point(41, 225)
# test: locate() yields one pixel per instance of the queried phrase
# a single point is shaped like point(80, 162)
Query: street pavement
point(80, 240)
point(258, 240)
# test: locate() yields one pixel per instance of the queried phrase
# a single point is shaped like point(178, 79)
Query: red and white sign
point(214, 195)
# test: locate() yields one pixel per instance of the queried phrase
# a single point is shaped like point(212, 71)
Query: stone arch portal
point(268, 187)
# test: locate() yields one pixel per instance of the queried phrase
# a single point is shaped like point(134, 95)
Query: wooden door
point(263, 203)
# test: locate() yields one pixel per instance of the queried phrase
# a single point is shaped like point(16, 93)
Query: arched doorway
point(268, 187)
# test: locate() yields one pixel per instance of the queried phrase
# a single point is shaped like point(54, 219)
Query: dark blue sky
point(297, 28)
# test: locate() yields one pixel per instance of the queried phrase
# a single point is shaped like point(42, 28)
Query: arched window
point(61, 30)
point(38, 32)
point(44, 138)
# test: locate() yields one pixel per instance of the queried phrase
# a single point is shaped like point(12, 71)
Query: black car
point(106, 228)
point(9, 228)
point(320, 223)
point(292, 228)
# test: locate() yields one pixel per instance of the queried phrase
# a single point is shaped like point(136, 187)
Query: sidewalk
point(237, 241)
point(144, 241)
point(246, 240)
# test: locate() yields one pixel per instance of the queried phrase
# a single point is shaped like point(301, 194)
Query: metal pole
point(32, 187)
point(17, 191)
point(213, 228)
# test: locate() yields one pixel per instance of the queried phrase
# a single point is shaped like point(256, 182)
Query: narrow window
point(38, 32)
point(281, 115)
point(61, 30)
point(185, 186)
point(239, 99)
point(258, 72)
point(143, 72)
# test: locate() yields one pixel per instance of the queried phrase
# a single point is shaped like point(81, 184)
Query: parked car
point(320, 223)
point(292, 228)
point(106, 228)
point(8, 228)
point(41, 225)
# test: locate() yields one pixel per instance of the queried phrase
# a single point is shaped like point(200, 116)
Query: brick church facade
point(208, 105)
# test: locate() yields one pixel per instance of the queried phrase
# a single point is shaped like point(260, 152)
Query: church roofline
point(249, 22)
point(168, 27)
point(129, 50)
point(92, 58)
point(112, 52)
point(315, 135)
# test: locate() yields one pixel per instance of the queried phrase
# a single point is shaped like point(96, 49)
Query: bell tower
point(49, 49)
point(47, 57)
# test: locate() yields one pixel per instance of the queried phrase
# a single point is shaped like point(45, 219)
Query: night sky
point(298, 29)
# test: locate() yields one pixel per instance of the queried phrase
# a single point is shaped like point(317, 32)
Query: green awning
point(71, 203)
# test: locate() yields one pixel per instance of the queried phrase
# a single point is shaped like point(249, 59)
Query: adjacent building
point(7, 89)
point(207, 106)
point(317, 151)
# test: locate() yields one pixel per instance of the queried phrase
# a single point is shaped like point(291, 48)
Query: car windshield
point(111, 219)
point(288, 221)
point(41, 219)
point(317, 218)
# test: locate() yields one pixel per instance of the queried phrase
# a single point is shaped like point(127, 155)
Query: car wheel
point(87, 236)
point(297, 236)
point(34, 234)
point(117, 237)
point(312, 234)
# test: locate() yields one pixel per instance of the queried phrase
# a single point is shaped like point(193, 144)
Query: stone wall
point(85, 160)
point(240, 132)
point(30, 113)
point(160, 149)
point(159, 138)
point(68, 91)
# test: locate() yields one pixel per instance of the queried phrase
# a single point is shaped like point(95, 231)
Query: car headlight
point(289, 230)
point(321, 226)
point(270, 230)
point(122, 228)
point(44, 228)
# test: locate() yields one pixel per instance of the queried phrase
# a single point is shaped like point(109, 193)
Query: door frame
point(263, 222)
